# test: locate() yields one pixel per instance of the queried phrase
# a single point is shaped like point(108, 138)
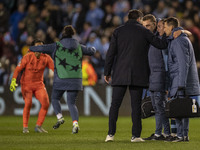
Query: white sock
point(59, 115)
point(157, 135)
point(173, 134)
point(165, 135)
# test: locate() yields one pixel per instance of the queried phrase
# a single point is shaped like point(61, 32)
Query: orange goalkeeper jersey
point(33, 68)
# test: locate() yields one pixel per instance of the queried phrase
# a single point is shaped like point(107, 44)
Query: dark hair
point(150, 17)
point(135, 14)
point(36, 41)
point(88, 23)
point(172, 21)
point(68, 32)
point(163, 20)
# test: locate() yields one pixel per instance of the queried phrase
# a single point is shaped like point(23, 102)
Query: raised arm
point(88, 50)
point(155, 41)
point(187, 32)
point(47, 48)
point(180, 30)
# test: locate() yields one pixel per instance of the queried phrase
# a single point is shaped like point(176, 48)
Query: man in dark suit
point(127, 58)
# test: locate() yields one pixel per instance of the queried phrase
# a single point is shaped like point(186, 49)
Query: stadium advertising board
point(91, 101)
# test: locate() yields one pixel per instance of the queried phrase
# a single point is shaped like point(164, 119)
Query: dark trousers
point(117, 97)
point(71, 102)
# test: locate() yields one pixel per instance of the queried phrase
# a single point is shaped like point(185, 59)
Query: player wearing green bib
point(67, 55)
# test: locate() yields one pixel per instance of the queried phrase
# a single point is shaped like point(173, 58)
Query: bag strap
point(184, 93)
point(145, 95)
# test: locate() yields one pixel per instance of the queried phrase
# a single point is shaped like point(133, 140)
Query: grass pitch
point(90, 137)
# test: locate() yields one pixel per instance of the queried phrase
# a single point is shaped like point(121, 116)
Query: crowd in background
point(21, 21)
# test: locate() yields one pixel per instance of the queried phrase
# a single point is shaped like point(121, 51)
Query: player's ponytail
point(68, 32)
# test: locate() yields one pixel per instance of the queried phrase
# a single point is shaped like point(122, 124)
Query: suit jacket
point(127, 55)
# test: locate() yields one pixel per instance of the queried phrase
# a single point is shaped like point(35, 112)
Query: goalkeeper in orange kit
point(33, 65)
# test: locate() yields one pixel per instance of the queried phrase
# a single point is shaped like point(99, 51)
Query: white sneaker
point(135, 139)
point(25, 130)
point(58, 123)
point(75, 128)
point(39, 129)
point(109, 138)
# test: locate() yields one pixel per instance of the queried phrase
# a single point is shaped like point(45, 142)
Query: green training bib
point(68, 62)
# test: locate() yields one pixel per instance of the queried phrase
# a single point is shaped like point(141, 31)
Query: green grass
point(91, 136)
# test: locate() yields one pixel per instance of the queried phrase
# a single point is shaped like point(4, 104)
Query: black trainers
point(186, 138)
point(161, 138)
point(154, 137)
point(178, 139)
point(169, 138)
point(149, 138)
point(58, 123)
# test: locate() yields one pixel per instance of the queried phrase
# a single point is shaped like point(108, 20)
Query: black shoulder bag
point(146, 107)
point(182, 107)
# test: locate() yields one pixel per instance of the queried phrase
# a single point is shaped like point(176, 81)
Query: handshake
point(13, 85)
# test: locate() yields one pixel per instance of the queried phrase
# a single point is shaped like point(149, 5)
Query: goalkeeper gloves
point(13, 85)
